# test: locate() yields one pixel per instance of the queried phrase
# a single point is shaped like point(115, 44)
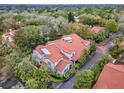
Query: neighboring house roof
point(96, 29)
point(111, 77)
point(68, 46)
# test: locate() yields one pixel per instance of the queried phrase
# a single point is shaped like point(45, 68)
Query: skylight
point(67, 39)
point(45, 51)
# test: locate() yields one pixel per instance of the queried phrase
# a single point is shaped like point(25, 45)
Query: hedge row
point(87, 78)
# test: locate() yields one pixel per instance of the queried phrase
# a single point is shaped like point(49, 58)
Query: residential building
point(61, 54)
point(7, 38)
point(111, 77)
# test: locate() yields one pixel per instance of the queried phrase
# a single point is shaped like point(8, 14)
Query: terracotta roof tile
point(76, 45)
point(60, 67)
point(112, 77)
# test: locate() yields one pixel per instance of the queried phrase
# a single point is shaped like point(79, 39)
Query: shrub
point(83, 59)
point(13, 22)
point(91, 19)
point(32, 83)
point(111, 25)
point(53, 35)
point(57, 76)
point(4, 50)
point(121, 27)
point(18, 17)
point(84, 79)
point(99, 65)
point(92, 47)
point(29, 74)
point(36, 22)
point(99, 37)
point(116, 50)
point(69, 73)
point(118, 39)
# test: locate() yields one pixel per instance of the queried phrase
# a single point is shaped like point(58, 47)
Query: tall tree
point(71, 17)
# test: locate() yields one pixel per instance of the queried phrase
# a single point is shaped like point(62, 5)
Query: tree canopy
point(27, 38)
point(84, 79)
point(112, 25)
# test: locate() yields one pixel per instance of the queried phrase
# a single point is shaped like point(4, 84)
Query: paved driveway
point(69, 84)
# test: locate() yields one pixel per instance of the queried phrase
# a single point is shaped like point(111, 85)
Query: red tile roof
point(112, 77)
point(78, 45)
point(62, 65)
point(55, 53)
point(96, 29)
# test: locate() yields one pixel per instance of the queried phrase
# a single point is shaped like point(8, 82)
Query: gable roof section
point(55, 53)
point(112, 77)
point(77, 45)
point(61, 66)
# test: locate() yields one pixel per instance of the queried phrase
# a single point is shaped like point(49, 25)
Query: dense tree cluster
point(84, 79)
point(41, 24)
point(111, 25)
point(33, 77)
point(99, 65)
point(27, 38)
point(101, 36)
point(90, 19)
